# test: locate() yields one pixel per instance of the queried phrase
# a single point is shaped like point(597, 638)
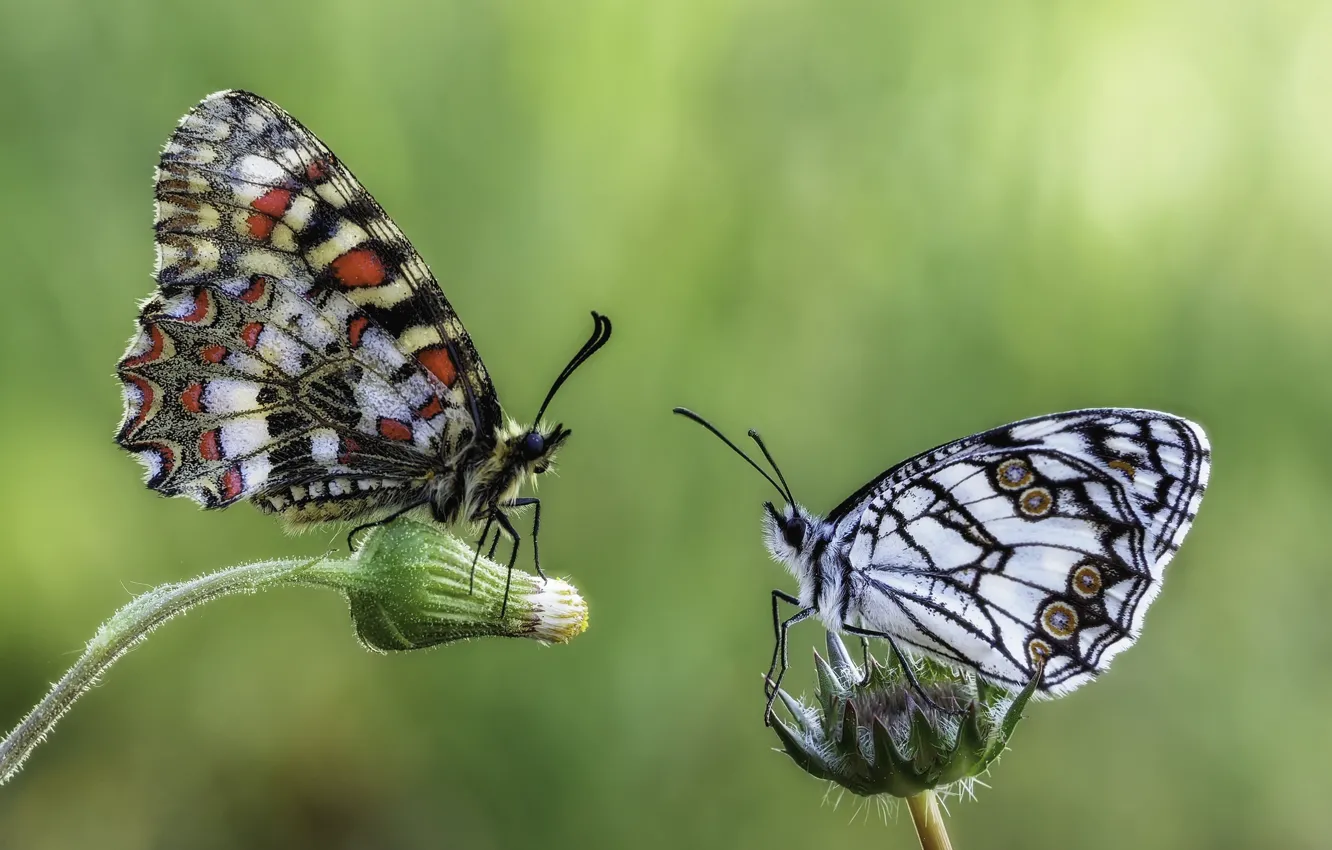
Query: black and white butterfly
point(1032, 550)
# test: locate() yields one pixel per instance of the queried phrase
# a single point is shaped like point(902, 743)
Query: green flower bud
point(874, 734)
point(411, 585)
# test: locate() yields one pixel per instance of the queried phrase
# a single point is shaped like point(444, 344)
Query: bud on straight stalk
point(407, 587)
point(876, 733)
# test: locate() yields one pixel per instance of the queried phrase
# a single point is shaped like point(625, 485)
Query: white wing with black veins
point(1043, 541)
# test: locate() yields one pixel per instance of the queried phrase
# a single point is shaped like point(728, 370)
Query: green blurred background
point(865, 227)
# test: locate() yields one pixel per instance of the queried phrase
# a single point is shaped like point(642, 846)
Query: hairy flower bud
point(411, 585)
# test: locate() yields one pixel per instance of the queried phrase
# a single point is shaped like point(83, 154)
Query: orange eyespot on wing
point(361, 267)
point(1036, 502)
point(192, 398)
point(438, 362)
point(395, 429)
point(1124, 467)
point(273, 203)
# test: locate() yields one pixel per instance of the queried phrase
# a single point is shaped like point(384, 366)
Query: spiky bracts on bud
point(872, 733)
point(411, 585)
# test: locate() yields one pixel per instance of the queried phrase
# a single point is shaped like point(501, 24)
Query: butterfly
point(1029, 551)
point(298, 352)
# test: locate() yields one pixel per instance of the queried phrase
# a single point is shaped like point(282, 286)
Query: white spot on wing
point(200, 125)
point(255, 471)
point(227, 395)
point(324, 445)
point(244, 436)
point(348, 236)
point(298, 214)
point(384, 295)
point(260, 169)
point(152, 462)
point(1173, 459)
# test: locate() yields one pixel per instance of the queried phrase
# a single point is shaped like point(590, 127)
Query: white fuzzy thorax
point(826, 582)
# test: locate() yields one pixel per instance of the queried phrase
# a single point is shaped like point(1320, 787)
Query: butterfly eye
point(794, 533)
point(534, 446)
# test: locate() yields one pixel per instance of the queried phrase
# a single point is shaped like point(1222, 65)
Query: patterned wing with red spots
point(298, 351)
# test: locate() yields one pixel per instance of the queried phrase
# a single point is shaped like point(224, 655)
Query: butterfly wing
point(1043, 540)
point(298, 351)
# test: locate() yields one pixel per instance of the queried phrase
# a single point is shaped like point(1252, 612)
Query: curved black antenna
point(754, 435)
point(689, 414)
point(601, 331)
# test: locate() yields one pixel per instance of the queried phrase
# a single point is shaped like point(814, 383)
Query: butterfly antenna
point(601, 331)
point(689, 414)
point(754, 435)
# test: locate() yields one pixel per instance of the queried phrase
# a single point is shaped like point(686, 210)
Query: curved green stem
point(929, 821)
point(410, 586)
point(134, 622)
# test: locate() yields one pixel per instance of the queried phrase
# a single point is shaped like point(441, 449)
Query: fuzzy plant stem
point(929, 823)
point(409, 586)
point(133, 623)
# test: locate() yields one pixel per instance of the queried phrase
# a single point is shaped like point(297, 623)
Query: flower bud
point(872, 732)
point(411, 585)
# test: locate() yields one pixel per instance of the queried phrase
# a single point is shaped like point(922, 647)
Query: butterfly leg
point(779, 654)
point(485, 529)
point(865, 656)
point(536, 526)
point(351, 535)
point(778, 645)
point(777, 597)
point(503, 521)
point(903, 662)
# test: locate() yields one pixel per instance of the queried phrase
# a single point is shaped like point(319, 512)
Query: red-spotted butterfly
point(299, 353)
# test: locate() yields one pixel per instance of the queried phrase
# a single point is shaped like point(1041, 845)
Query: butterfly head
point(792, 532)
point(522, 453)
point(537, 448)
point(789, 532)
point(530, 451)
